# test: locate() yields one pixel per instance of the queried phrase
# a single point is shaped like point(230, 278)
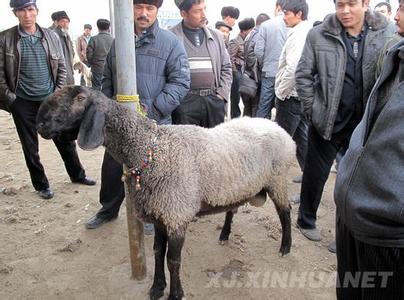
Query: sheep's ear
point(91, 133)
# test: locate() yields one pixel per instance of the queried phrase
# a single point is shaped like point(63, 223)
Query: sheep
point(178, 172)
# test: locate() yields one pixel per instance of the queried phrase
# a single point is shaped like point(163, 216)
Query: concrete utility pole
point(112, 17)
point(127, 94)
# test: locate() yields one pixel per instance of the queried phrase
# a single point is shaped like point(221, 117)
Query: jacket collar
point(374, 21)
point(149, 33)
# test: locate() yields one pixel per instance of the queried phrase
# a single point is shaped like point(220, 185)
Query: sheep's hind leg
point(224, 234)
point(278, 193)
point(175, 243)
point(159, 247)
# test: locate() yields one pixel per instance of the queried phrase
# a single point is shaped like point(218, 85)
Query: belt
point(201, 92)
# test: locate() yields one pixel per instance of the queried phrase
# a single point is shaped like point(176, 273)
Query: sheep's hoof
point(179, 297)
point(223, 242)
point(284, 250)
point(156, 292)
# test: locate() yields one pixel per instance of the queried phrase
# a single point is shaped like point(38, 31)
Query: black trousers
point(206, 111)
point(251, 104)
point(235, 95)
point(319, 159)
point(112, 191)
point(24, 114)
point(367, 272)
point(289, 115)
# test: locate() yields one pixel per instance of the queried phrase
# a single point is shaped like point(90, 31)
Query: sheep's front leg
point(224, 235)
point(175, 243)
point(160, 247)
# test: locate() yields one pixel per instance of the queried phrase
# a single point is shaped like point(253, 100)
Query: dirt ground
point(46, 252)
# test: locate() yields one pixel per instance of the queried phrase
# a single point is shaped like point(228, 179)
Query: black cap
point(18, 4)
point(59, 15)
point(222, 24)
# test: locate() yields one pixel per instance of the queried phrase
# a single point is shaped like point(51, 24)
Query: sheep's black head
point(70, 113)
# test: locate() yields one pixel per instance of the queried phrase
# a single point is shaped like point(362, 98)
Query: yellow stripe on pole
point(127, 98)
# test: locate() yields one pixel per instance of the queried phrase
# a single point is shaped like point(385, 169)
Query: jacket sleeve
point(292, 51)
point(259, 48)
point(90, 52)
point(233, 49)
point(226, 74)
point(177, 82)
point(305, 71)
point(62, 71)
point(6, 96)
point(107, 78)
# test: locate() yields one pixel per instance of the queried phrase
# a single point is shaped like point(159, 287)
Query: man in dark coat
point(162, 80)
point(32, 66)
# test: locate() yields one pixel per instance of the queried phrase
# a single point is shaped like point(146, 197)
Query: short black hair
point(281, 3)
point(388, 5)
point(230, 11)
point(187, 4)
point(261, 18)
point(88, 26)
point(103, 24)
point(295, 6)
point(246, 24)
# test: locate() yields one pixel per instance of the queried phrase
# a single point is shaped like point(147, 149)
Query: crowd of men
point(336, 87)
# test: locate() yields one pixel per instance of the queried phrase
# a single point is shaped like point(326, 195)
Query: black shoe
point(85, 181)
point(97, 221)
point(46, 193)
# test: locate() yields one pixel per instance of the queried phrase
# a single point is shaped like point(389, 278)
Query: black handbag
point(247, 86)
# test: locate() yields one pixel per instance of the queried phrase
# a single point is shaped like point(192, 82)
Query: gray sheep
point(178, 171)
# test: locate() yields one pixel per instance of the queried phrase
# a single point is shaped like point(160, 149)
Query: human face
point(64, 24)
point(196, 16)
point(351, 14)
point(399, 18)
point(291, 19)
point(230, 21)
point(87, 32)
point(27, 18)
point(226, 31)
point(383, 10)
point(145, 15)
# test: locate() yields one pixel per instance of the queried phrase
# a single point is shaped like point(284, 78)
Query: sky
point(88, 11)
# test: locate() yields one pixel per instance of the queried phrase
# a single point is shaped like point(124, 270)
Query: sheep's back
point(240, 157)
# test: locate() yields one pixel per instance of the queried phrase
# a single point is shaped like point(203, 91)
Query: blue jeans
point(267, 98)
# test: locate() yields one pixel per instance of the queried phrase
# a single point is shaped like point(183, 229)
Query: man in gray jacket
point(32, 66)
point(333, 80)
point(268, 48)
point(369, 190)
point(97, 51)
point(162, 80)
point(211, 72)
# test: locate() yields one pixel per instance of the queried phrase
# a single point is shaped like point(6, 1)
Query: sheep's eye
point(80, 98)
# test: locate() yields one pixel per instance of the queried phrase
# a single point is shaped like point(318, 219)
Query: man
point(334, 86)
point(230, 15)
point(369, 190)
point(97, 51)
point(384, 8)
point(236, 52)
point(31, 68)
point(81, 48)
point(82, 42)
point(62, 30)
point(162, 80)
point(210, 67)
point(268, 48)
point(225, 29)
point(252, 68)
point(289, 114)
